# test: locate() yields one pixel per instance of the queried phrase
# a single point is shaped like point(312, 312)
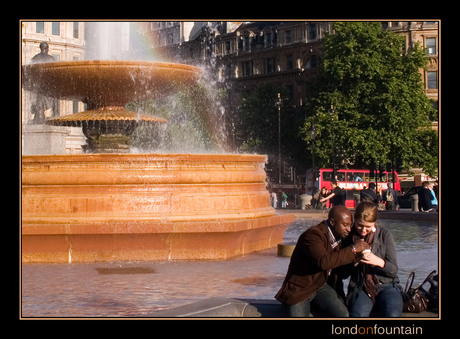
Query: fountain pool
point(139, 288)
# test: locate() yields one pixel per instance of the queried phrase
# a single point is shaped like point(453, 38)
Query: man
point(338, 196)
point(283, 200)
point(369, 194)
point(318, 252)
point(391, 198)
point(41, 103)
point(425, 198)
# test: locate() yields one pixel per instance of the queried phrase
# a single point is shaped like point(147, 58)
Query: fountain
point(109, 204)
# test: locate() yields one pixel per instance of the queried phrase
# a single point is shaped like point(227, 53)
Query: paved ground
point(225, 307)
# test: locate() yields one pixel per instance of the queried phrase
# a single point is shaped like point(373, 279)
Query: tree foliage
point(368, 105)
point(257, 125)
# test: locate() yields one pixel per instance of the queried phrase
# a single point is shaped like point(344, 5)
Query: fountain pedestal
point(44, 139)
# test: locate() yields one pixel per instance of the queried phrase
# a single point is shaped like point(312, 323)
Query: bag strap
point(411, 279)
point(430, 276)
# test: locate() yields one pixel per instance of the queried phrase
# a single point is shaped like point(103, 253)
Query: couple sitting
point(335, 249)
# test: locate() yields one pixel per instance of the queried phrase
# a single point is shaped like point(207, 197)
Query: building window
point(288, 37)
point(246, 44)
point(290, 90)
point(430, 44)
point(55, 28)
point(432, 80)
point(312, 31)
point(268, 39)
point(40, 27)
point(289, 62)
point(228, 71)
point(75, 30)
point(247, 68)
point(312, 62)
point(270, 65)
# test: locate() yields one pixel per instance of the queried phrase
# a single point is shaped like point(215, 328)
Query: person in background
point(390, 197)
point(434, 200)
point(316, 201)
point(283, 200)
point(425, 198)
point(337, 195)
point(369, 194)
point(274, 199)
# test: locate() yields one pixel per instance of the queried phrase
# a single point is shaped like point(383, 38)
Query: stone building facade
point(66, 41)
point(427, 34)
point(284, 53)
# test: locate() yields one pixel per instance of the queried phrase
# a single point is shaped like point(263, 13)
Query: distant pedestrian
point(369, 194)
point(425, 198)
point(283, 200)
point(316, 201)
point(391, 198)
point(434, 199)
point(274, 199)
point(337, 195)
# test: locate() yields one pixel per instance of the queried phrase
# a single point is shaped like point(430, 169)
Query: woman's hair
point(366, 211)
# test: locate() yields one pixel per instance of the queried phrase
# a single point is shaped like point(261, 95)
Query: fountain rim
point(133, 63)
point(144, 157)
point(106, 114)
point(106, 74)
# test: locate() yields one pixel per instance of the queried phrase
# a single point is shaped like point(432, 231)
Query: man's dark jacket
point(311, 260)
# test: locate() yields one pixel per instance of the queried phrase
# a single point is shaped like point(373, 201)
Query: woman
point(374, 285)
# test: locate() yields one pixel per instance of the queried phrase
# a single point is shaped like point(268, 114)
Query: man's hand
point(360, 245)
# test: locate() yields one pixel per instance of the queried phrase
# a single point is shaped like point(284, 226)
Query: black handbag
point(415, 299)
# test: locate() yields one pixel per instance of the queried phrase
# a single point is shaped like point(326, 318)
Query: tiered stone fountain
point(109, 204)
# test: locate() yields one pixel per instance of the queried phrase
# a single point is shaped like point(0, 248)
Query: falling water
point(196, 117)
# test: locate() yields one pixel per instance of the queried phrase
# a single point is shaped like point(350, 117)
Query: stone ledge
point(220, 307)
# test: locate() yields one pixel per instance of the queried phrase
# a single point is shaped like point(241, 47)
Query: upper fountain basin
point(108, 82)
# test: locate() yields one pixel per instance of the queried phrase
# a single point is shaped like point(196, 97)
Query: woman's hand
point(371, 259)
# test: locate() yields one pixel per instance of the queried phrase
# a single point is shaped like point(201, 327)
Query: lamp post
point(334, 169)
point(278, 104)
point(313, 132)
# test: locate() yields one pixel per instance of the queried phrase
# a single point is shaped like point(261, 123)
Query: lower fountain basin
point(105, 207)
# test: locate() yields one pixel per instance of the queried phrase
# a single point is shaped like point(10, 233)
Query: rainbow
point(143, 42)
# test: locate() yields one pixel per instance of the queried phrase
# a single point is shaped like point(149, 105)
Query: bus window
point(350, 176)
point(340, 176)
point(358, 176)
point(368, 176)
point(327, 176)
point(381, 177)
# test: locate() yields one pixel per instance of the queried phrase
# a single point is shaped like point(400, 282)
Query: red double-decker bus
point(354, 180)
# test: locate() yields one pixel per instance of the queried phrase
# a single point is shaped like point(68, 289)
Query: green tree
point(257, 125)
point(368, 105)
